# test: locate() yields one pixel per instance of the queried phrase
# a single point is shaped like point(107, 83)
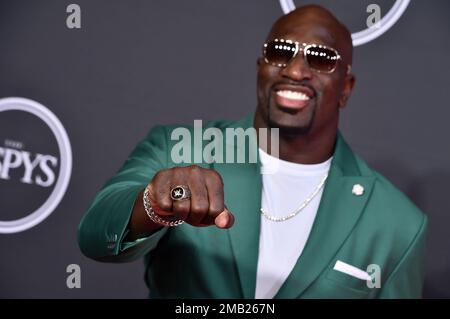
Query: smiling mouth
point(294, 100)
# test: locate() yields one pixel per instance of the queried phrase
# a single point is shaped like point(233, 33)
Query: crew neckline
point(272, 164)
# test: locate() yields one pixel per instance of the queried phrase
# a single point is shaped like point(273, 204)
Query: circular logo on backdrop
point(369, 34)
point(35, 163)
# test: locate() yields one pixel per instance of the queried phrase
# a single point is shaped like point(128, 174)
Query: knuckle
point(165, 205)
point(181, 208)
point(161, 177)
point(216, 176)
point(199, 207)
point(175, 171)
point(216, 207)
point(194, 169)
point(162, 173)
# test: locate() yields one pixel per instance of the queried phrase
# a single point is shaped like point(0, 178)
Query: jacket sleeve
point(104, 226)
point(406, 281)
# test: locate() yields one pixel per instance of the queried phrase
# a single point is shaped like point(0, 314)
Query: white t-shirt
point(286, 186)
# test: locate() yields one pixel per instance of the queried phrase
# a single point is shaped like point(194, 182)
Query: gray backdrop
point(137, 63)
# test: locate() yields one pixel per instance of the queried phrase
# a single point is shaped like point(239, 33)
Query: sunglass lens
point(279, 53)
point(321, 59)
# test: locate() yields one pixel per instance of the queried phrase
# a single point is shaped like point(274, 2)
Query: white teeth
point(293, 95)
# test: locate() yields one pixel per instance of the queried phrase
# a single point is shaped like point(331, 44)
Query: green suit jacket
point(380, 227)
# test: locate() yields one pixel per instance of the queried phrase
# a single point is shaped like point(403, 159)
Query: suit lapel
point(242, 187)
point(338, 213)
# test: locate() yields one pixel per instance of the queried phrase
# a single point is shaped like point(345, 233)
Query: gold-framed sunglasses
point(320, 58)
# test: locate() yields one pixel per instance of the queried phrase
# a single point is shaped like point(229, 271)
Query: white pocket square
point(351, 270)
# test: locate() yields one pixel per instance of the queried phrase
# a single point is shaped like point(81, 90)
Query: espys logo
point(28, 165)
point(371, 33)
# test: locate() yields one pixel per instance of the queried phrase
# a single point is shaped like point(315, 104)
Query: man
point(315, 227)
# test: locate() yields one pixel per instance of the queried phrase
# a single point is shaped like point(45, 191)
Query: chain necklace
point(300, 208)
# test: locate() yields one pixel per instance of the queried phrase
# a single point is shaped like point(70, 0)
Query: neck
point(309, 148)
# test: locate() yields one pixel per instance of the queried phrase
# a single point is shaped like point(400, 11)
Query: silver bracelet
point(154, 217)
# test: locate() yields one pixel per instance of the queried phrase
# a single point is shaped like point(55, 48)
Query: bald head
point(316, 22)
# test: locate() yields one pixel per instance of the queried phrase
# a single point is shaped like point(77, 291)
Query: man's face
point(278, 88)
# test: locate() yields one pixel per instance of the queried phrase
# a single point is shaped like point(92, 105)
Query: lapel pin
point(357, 190)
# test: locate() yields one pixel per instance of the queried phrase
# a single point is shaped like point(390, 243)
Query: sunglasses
point(320, 58)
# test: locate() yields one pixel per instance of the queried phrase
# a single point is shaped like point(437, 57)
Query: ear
point(259, 61)
point(349, 83)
